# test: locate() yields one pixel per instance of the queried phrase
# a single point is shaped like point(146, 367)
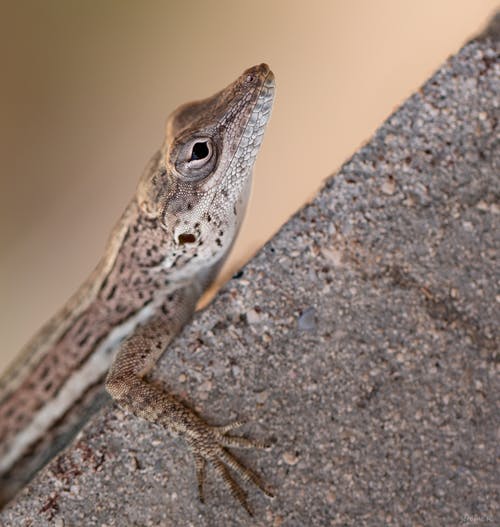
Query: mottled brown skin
point(163, 254)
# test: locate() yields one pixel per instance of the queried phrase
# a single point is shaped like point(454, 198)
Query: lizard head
point(198, 185)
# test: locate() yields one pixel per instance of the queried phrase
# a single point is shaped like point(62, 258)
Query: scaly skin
point(163, 254)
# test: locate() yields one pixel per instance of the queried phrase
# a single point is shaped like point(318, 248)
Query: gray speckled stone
point(363, 337)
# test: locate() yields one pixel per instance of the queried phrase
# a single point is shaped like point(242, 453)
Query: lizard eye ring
point(196, 159)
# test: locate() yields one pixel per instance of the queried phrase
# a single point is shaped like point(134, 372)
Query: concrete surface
point(363, 337)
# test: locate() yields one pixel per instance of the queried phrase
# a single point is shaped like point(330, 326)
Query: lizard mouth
point(249, 114)
point(253, 129)
point(258, 97)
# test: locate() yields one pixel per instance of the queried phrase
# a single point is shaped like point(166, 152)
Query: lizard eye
point(197, 158)
point(199, 152)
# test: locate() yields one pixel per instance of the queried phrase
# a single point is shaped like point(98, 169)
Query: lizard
point(162, 255)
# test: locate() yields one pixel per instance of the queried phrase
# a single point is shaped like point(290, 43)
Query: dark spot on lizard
point(209, 218)
point(104, 282)
point(218, 242)
point(126, 236)
point(111, 294)
point(80, 329)
point(83, 340)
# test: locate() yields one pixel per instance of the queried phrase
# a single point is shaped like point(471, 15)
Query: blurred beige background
point(86, 87)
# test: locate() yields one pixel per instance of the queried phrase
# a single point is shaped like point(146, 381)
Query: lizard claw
point(200, 465)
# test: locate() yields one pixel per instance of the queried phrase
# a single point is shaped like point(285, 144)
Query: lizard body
point(162, 255)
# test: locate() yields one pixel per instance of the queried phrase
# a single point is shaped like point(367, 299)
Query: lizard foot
point(210, 445)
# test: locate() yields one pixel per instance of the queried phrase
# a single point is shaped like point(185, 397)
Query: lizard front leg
point(129, 388)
